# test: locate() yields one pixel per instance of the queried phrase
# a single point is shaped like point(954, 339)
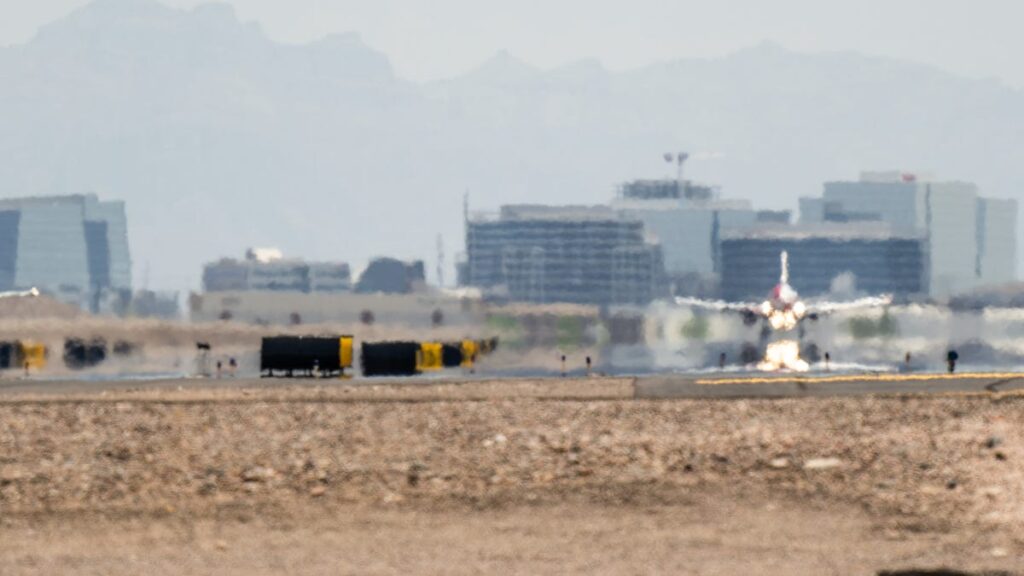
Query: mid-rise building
point(834, 258)
point(687, 220)
point(997, 241)
point(575, 254)
point(972, 240)
point(73, 247)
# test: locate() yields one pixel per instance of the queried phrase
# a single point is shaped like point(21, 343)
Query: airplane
point(784, 310)
point(30, 293)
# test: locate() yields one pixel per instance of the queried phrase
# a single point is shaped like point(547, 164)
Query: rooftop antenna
point(681, 159)
point(678, 159)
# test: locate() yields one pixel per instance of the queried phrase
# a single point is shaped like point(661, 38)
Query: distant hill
point(220, 139)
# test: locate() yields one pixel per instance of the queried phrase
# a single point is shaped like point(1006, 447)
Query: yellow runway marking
point(863, 378)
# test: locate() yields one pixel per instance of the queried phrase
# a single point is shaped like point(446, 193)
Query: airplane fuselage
point(783, 308)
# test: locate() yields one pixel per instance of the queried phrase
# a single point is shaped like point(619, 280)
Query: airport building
point(413, 311)
point(839, 259)
point(972, 240)
point(573, 254)
point(266, 288)
point(265, 270)
point(72, 247)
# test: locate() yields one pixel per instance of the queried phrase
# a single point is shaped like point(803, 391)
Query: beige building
point(289, 308)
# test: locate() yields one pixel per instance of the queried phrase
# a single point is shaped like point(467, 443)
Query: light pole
point(678, 159)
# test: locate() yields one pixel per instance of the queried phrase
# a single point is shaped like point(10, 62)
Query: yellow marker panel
point(345, 353)
point(470, 350)
point(33, 355)
point(429, 357)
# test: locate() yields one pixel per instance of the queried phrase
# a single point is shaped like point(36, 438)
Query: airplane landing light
point(784, 354)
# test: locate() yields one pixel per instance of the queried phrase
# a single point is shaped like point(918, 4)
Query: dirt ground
point(270, 481)
point(706, 536)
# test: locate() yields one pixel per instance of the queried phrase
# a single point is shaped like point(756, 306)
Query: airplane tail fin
point(784, 276)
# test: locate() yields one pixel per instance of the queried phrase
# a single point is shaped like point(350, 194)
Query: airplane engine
point(749, 318)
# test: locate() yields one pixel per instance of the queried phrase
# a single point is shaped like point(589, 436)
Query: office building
point(972, 240)
point(838, 259)
point(997, 241)
point(574, 254)
point(687, 220)
point(72, 247)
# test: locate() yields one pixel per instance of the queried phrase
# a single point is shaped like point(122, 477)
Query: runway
point(798, 386)
point(646, 387)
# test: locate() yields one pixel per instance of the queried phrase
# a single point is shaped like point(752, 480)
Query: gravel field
point(465, 480)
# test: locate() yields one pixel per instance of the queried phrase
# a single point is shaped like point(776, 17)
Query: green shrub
point(862, 328)
point(696, 328)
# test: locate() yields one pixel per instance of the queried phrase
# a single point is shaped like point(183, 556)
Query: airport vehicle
point(306, 355)
point(410, 358)
point(80, 353)
point(783, 310)
point(23, 355)
point(332, 355)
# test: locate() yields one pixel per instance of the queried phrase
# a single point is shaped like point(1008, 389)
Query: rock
point(221, 545)
point(892, 534)
point(10, 474)
point(779, 463)
point(317, 491)
point(257, 474)
point(412, 476)
point(822, 463)
point(497, 439)
point(999, 552)
point(992, 492)
point(993, 441)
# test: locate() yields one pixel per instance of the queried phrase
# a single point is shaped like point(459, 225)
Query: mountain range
point(219, 138)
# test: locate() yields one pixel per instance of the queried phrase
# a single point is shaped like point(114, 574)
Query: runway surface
point(648, 387)
point(761, 386)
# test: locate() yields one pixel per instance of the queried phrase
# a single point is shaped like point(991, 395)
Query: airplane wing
point(718, 305)
point(831, 307)
point(22, 294)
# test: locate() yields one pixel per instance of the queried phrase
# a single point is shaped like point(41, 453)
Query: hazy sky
point(439, 38)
